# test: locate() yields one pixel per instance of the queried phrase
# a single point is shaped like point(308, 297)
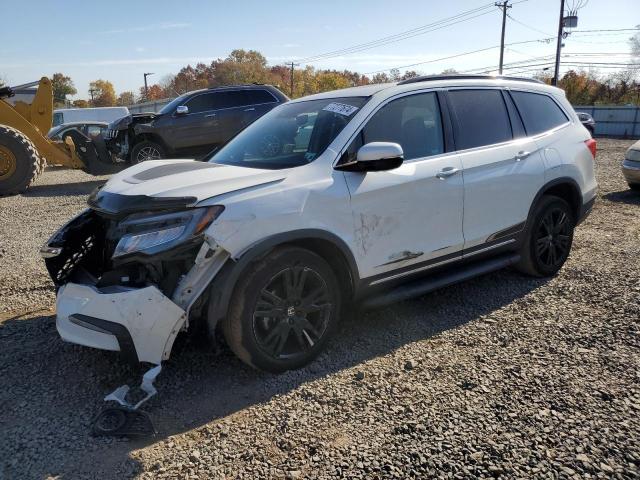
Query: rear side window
point(260, 96)
point(482, 118)
point(539, 112)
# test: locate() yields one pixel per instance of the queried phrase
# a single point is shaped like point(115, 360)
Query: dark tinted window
point(201, 103)
point(413, 122)
point(260, 96)
point(539, 112)
point(217, 100)
point(482, 118)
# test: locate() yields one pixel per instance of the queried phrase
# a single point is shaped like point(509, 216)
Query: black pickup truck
point(191, 124)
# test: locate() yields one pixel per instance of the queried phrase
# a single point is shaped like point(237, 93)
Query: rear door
point(503, 169)
point(260, 102)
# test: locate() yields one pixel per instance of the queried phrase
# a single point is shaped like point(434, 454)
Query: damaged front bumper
point(141, 323)
point(135, 305)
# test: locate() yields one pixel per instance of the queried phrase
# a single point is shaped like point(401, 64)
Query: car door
point(410, 218)
point(199, 127)
point(503, 168)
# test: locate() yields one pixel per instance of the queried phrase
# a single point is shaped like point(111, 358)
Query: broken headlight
point(152, 234)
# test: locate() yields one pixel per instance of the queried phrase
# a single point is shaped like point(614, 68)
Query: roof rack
point(429, 78)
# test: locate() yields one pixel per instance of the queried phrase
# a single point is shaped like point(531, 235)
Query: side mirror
point(375, 157)
point(182, 110)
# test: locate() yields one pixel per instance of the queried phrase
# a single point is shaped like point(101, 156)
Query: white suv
point(361, 196)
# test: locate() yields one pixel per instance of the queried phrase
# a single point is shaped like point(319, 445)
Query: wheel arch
point(327, 245)
point(564, 187)
point(151, 137)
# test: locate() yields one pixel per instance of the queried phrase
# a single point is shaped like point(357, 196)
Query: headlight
point(153, 234)
point(633, 155)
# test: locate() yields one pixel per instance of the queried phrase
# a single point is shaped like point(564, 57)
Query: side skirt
point(436, 281)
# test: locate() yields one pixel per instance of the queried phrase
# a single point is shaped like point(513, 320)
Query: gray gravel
point(503, 376)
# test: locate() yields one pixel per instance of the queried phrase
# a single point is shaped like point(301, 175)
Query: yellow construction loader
point(25, 148)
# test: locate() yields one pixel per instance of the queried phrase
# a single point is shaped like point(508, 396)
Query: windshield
point(291, 135)
point(171, 106)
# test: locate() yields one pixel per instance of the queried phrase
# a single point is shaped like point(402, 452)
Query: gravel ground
point(502, 376)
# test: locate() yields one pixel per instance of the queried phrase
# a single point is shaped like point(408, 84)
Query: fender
point(577, 200)
point(222, 286)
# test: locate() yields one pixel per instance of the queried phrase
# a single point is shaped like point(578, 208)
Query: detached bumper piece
point(142, 322)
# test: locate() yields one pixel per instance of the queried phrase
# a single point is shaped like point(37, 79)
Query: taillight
point(591, 145)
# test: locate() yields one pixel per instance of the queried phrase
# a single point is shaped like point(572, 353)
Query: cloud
point(290, 45)
point(148, 28)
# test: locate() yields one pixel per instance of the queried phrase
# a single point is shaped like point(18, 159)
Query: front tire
point(147, 150)
point(20, 163)
point(283, 311)
point(548, 238)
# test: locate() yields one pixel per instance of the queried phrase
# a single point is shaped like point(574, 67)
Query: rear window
point(539, 112)
point(482, 118)
point(261, 96)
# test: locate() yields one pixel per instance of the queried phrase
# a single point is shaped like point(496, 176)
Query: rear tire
point(20, 163)
point(147, 150)
point(283, 311)
point(548, 238)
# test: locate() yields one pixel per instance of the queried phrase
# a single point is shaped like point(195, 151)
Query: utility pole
point(503, 6)
point(146, 89)
point(554, 81)
point(291, 88)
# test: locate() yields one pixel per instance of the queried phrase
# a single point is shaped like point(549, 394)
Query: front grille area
point(82, 241)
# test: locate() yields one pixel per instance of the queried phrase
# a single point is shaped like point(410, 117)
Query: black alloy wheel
point(547, 237)
point(292, 313)
point(553, 238)
point(283, 310)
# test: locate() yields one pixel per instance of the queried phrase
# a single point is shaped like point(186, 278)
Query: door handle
point(447, 172)
point(249, 109)
point(521, 155)
point(211, 115)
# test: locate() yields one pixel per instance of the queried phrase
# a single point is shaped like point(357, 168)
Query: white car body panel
point(152, 319)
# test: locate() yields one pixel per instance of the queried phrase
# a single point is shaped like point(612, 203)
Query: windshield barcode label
point(341, 108)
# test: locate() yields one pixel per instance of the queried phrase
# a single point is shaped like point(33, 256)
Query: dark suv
point(191, 124)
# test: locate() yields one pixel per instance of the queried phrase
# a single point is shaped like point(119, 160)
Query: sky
point(120, 40)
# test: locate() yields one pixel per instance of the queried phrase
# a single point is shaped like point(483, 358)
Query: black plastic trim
point(118, 205)
point(439, 280)
point(585, 210)
point(127, 347)
point(553, 183)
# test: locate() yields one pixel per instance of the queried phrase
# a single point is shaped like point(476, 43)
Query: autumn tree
point(102, 93)
point(80, 104)
point(125, 99)
point(62, 86)
point(154, 92)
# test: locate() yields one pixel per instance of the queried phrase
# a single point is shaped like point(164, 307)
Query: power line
point(446, 22)
point(528, 26)
point(456, 56)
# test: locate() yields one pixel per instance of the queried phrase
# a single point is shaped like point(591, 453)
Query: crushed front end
point(128, 271)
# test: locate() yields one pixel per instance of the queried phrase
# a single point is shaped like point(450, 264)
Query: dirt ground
point(502, 376)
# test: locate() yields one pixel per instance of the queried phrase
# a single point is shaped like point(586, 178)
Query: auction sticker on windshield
point(341, 108)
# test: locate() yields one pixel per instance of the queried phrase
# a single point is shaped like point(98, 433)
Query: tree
point(80, 104)
point(125, 99)
point(102, 93)
point(154, 92)
point(62, 86)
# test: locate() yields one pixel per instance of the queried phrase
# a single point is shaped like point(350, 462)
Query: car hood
point(164, 180)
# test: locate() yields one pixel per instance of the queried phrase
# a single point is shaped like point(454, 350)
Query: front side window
point(202, 103)
point(482, 118)
point(413, 122)
point(538, 111)
point(290, 135)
